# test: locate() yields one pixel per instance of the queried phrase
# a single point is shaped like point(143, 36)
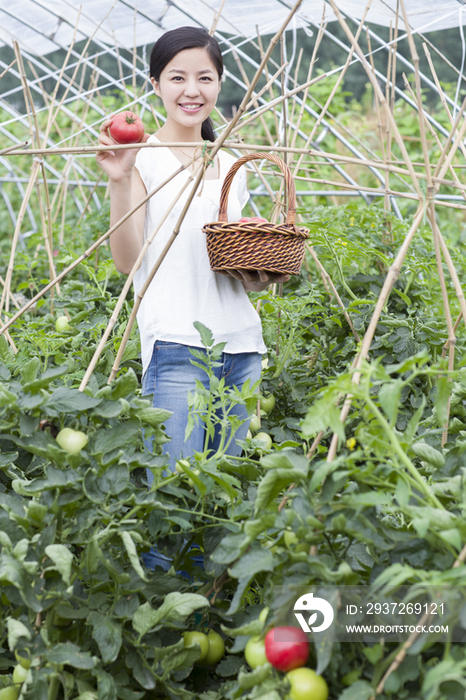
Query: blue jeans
point(169, 378)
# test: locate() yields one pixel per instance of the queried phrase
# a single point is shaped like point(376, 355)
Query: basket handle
point(291, 189)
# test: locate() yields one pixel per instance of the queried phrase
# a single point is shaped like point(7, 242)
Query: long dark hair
point(176, 40)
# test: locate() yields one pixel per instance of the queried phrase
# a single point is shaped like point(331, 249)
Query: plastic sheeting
point(42, 26)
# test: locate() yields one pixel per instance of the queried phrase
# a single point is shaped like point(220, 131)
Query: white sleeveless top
point(185, 289)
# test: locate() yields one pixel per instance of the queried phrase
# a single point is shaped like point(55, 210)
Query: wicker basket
point(252, 245)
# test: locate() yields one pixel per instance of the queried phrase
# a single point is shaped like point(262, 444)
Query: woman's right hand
point(118, 164)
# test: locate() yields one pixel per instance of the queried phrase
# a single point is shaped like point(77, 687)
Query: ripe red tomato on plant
point(126, 127)
point(286, 647)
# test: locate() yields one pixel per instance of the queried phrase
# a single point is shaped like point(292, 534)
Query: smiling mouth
point(191, 106)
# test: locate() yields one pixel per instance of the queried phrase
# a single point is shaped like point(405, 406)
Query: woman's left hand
point(257, 280)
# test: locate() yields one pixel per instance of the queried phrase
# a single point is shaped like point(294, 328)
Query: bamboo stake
point(390, 280)
point(46, 222)
point(451, 333)
point(437, 140)
point(7, 151)
point(7, 68)
point(320, 35)
point(441, 93)
point(381, 96)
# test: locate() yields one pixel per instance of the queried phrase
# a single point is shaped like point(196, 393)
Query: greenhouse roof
point(42, 26)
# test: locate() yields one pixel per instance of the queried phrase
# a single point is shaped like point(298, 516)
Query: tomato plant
point(126, 127)
point(81, 526)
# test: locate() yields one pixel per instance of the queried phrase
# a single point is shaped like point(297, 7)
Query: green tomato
point(254, 652)
point(11, 692)
point(19, 674)
point(267, 403)
point(306, 685)
point(62, 324)
point(72, 441)
point(199, 638)
point(24, 658)
point(180, 464)
point(293, 542)
point(216, 648)
point(290, 538)
point(254, 423)
point(265, 439)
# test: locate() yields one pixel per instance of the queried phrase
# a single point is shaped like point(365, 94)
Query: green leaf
point(46, 378)
point(285, 459)
point(30, 370)
point(389, 398)
point(428, 453)
point(66, 400)
point(249, 680)
point(121, 387)
point(230, 548)
point(322, 415)
point(62, 558)
point(72, 655)
point(107, 632)
point(252, 563)
point(112, 438)
point(361, 690)
point(412, 426)
point(273, 483)
point(206, 335)
point(453, 537)
point(16, 631)
point(176, 607)
point(229, 666)
point(250, 628)
point(132, 554)
point(153, 416)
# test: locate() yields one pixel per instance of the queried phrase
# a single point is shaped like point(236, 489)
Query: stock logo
point(308, 603)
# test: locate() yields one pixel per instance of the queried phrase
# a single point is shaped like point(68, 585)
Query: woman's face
point(189, 87)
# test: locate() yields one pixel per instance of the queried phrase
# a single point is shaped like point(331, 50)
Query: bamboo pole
point(390, 280)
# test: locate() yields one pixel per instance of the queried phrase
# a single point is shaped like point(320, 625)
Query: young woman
point(186, 70)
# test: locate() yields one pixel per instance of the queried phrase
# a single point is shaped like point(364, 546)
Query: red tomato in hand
point(286, 647)
point(126, 127)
